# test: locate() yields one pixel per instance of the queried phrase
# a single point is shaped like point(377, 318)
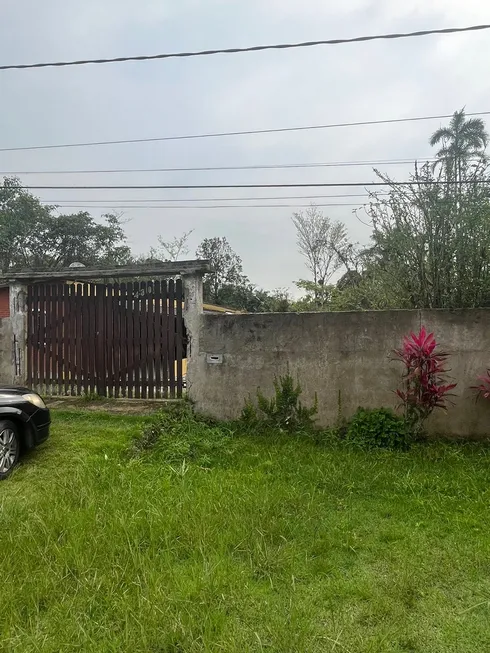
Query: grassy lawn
point(285, 547)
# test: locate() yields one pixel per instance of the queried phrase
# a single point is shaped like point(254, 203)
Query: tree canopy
point(32, 236)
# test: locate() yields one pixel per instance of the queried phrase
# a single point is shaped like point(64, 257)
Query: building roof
point(212, 308)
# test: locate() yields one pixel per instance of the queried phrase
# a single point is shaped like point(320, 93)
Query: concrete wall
point(336, 354)
point(6, 351)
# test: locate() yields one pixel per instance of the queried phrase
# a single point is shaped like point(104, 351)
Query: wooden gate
point(115, 340)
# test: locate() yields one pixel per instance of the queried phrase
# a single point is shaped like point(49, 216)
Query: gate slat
point(100, 366)
point(129, 316)
point(66, 340)
point(30, 331)
point(52, 319)
point(164, 338)
point(123, 334)
point(91, 338)
point(73, 341)
point(150, 340)
point(144, 339)
point(137, 340)
point(47, 339)
point(171, 338)
point(41, 338)
point(157, 339)
point(57, 328)
point(85, 334)
point(179, 336)
point(116, 337)
point(109, 340)
point(61, 335)
point(78, 339)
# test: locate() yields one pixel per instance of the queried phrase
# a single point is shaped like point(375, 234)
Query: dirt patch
point(116, 406)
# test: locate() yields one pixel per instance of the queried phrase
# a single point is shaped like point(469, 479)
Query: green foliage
point(317, 296)
point(227, 269)
point(90, 397)
point(248, 415)
point(176, 437)
point(32, 236)
point(431, 238)
point(249, 298)
point(283, 411)
point(463, 140)
point(378, 428)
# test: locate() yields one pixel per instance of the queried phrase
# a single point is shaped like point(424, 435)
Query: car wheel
point(9, 447)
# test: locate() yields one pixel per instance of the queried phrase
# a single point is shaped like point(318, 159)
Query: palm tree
point(463, 140)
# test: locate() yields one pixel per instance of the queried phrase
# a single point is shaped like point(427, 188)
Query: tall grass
point(289, 547)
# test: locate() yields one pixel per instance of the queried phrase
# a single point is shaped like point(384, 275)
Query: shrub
point(483, 388)
point(283, 411)
point(425, 385)
point(378, 428)
point(175, 436)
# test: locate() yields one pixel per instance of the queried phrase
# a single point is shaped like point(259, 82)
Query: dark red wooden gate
point(115, 340)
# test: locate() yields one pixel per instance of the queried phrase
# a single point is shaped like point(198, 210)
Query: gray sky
point(372, 81)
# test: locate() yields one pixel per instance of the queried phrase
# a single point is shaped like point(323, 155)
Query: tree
point(463, 140)
point(431, 244)
point(227, 270)
point(20, 215)
point(171, 250)
point(251, 299)
point(323, 244)
point(31, 236)
point(431, 237)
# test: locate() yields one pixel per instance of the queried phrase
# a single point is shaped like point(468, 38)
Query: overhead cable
point(247, 132)
point(296, 185)
point(254, 48)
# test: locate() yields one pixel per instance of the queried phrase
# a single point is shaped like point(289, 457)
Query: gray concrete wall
point(342, 356)
point(18, 320)
point(6, 351)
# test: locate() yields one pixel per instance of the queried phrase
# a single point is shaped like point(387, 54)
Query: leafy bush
point(425, 384)
point(483, 388)
point(283, 411)
point(175, 436)
point(379, 428)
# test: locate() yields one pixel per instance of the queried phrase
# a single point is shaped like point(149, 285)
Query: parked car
point(24, 423)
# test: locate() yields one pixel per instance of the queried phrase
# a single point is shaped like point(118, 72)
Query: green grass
point(285, 547)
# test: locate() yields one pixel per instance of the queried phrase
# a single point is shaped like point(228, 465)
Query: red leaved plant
point(425, 385)
point(483, 388)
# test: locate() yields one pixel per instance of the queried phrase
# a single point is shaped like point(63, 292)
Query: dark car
point(24, 423)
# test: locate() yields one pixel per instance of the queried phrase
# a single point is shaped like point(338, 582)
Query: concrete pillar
point(193, 309)
point(18, 319)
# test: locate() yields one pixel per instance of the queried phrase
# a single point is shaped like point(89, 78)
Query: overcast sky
point(327, 84)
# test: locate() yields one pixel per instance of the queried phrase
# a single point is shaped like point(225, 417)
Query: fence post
point(18, 319)
point(193, 308)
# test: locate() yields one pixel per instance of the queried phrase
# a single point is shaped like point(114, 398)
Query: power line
point(213, 206)
point(247, 132)
point(255, 48)
point(297, 185)
point(212, 199)
point(280, 166)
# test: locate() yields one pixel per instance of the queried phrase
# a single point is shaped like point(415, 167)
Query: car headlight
point(34, 399)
